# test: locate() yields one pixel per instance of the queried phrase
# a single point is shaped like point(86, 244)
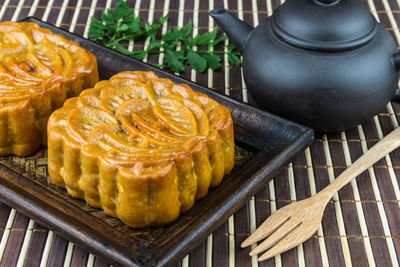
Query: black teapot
point(325, 63)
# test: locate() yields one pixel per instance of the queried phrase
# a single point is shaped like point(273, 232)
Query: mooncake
point(140, 147)
point(38, 71)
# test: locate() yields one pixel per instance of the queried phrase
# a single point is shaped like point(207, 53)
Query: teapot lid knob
point(331, 25)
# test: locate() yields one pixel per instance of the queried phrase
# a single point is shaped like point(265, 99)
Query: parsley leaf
point(230, 47)
point(151, 29)
point(121, 10)
point(174, 60)
point(185, 30)
point(154, 44)
point(234, 59)
point(205, 38)
point(212, 61)
point(219, 40)
point(196, 61)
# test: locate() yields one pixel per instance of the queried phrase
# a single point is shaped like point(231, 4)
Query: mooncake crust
point(39, 70)
point(140, 147)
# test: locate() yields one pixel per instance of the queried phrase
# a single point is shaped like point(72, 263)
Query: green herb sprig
point(121, 24)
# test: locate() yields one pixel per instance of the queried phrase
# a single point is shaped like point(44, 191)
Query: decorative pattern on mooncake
point(140, 147)
point(38, 71)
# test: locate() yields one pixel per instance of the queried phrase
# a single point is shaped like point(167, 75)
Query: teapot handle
point(396, 63)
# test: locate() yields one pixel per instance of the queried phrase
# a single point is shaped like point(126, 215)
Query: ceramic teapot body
point(327, 88)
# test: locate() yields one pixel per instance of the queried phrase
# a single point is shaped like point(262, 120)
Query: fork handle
point(378, 151)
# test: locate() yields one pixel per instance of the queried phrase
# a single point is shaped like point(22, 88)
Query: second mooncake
point(140, 147)
point(38, 71)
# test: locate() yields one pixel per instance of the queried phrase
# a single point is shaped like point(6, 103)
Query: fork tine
point(288, 242)
point(277, 236)
point(266, 228)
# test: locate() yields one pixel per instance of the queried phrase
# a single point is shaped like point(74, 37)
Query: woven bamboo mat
point(361, 225)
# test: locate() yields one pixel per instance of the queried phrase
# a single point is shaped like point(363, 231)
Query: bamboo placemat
point(361, 225)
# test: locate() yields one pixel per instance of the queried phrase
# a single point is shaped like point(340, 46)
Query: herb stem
point(197, 51)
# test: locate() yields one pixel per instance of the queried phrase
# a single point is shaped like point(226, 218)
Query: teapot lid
point(324, 24)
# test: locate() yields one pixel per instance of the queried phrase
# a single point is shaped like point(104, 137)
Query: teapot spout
point(237, 30)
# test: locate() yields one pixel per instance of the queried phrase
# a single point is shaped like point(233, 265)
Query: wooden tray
point(265, 143)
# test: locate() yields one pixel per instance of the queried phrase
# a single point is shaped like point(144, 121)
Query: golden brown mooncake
point(140, 147)
point(38, 71)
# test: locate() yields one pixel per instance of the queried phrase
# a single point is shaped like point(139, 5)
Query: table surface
point(361, 224)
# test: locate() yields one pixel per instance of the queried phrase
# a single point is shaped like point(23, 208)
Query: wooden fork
point(295, 223)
